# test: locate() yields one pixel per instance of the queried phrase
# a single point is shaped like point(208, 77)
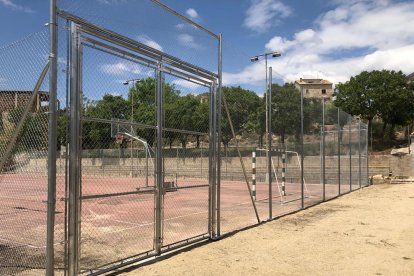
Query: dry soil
point(368, 232)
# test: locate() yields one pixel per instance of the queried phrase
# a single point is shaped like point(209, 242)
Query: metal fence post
point(359, 152)
point(269, 140)
point(159, 163)
point(254, 173)
point(74, 157)
point(302, 156)
point(219, 92)
point(210, 163)
point(52, 140)
point(339, 152)
point(323, 148)
point(367, 153)
point(215, 162)
point(350, 156)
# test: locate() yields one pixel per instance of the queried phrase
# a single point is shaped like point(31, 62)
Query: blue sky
point(333, 39)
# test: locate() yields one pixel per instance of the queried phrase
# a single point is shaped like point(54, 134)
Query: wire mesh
point(23, 176)
point(118, 152)
point(185, 159)
point(313, 148)
point(117, 176)
point(346, 157)
point(139, 20)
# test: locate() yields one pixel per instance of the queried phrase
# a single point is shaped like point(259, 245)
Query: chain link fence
point(23, 148)
point(152, 153)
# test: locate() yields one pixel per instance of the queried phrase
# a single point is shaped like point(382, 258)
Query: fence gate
point(141, 165)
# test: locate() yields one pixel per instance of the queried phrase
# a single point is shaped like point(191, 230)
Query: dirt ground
point(368, 232)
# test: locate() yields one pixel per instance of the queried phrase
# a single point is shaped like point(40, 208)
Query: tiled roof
point(312, 81)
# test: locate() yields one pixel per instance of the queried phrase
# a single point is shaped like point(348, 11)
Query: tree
point(377, 93)
point(201, 119)
point(256, 121)
point(180, 114)
point(241, 103)
point(143, 96)
point(96, 134)
point(15, 115)
point(33, 135)
point(285, 110)
point(395, 101)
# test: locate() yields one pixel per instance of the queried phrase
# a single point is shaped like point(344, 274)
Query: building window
point(307, 91)
point(323, 91)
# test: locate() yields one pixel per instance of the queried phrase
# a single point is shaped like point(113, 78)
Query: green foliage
point(98, 135)
point(286, 110)
point(181, 113)
point(241, 103)
point(312, 113)
point(15, 115)
point(33, 135)
point(385, 94)
point(62, 126)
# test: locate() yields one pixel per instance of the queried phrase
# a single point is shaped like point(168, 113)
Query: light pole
point(133, 81)
point(256, 58)
point(268, 90)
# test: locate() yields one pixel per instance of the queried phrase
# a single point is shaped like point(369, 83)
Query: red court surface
point(115, 226)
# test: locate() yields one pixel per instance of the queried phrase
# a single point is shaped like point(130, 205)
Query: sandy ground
point(368, 232)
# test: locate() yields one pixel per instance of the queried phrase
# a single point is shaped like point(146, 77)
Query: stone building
point(10, 100)
point(315, 88)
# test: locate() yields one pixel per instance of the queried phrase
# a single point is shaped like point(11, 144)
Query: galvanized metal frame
point(135, 46)
point(323, 149)
point(161, 62)
point(159, 193)
point(103, 47)
point(302, 155)
point(350, 155)
point(359, 152)
point(191, 22)
point(74, 155)
point(219, 97)
point(82, 31)
point(213, 161)
point(339, 152)
point(269, 140)
point(52, 140)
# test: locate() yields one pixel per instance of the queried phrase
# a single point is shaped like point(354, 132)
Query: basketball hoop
point(119, 138)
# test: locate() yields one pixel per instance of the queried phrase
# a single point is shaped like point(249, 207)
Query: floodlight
point(276, 54)
point(253, 59)
point(133, 80)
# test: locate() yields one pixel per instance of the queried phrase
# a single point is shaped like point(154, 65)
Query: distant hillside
point(410, 77)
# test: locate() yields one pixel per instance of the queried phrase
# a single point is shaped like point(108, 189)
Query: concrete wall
point(231, 169)
point(400, 166)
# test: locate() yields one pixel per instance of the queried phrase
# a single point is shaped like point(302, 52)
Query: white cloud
point(306, 37)
point(180, 26)
point(278, 43)
point(262, 14)
point(352, 37)
point(149, 42)
point(120, 68)
point(10, 4)
point(192, 13)
point(188, 41)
